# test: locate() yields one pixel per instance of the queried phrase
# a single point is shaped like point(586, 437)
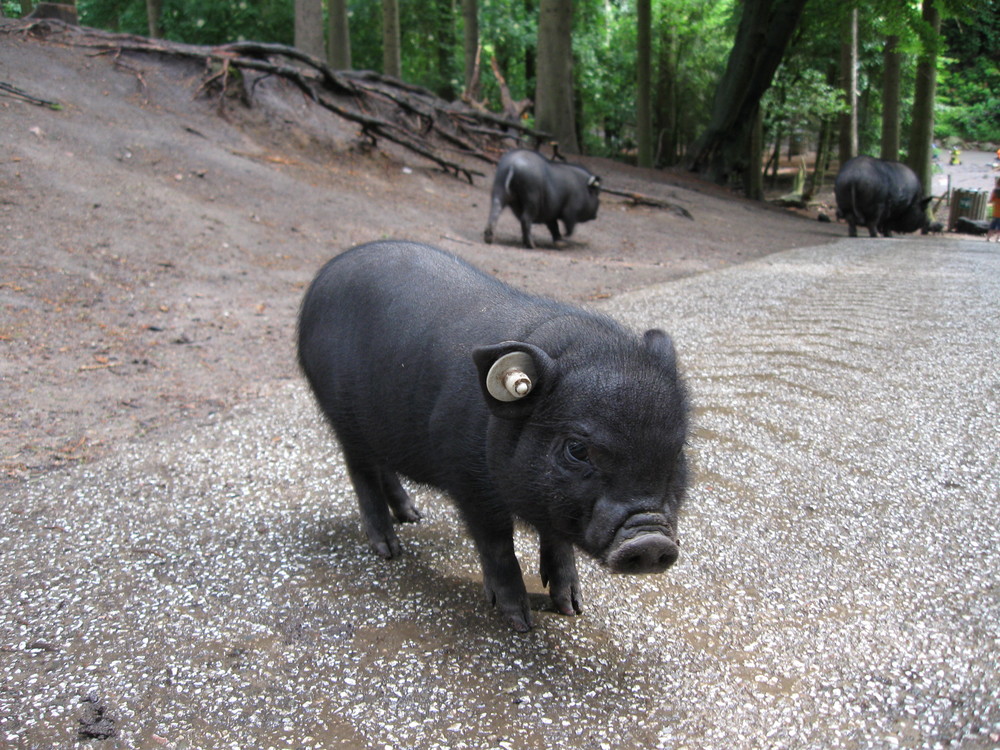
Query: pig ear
point(511, 375)
point(660, 344)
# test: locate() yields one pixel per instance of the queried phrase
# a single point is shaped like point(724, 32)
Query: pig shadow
point(438, 565)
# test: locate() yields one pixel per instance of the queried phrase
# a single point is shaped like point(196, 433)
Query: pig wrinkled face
point(622, 490)
point(603, 457)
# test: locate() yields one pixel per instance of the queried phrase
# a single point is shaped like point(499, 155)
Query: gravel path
point(836, 589)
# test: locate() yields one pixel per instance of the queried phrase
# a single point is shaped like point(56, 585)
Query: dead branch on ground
point(641, 199)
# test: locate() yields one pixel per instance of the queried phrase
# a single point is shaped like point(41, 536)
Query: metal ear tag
point(511, 377)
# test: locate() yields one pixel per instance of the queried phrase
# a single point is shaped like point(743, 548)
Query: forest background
point(728, 88)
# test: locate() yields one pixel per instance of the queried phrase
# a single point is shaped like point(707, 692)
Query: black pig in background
point(882, 195)
point(541, 191)
point(516, 406)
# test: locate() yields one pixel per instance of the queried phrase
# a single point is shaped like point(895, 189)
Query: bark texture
point(723, 153)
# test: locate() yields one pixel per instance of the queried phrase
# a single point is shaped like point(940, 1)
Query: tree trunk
point(723, 150)
point(309, 27)
point(530, 52)
point(444, 34)
point(775, 159)
point(755, 173)
point(154, 9)
point(470, 18)
point(339, 43)
point(391, 60)
point(554, 110)
point(922, 130)
point(644, 115)
point(849, 85)
point(815, 182)
point(891, 67)
point(666, 100)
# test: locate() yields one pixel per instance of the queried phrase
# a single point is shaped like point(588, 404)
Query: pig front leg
point(558, 572)
point(502, 579)
point(554, 230)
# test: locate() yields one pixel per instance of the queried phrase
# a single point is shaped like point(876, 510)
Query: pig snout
point(643, 545)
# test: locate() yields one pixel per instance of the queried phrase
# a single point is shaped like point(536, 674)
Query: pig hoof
point(567, 602)
point(488, 236)
point(517, 612)
point(387, 547)
point(407, 514)
point(520, 620)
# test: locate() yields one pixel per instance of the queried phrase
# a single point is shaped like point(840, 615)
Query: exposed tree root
point(385, 108)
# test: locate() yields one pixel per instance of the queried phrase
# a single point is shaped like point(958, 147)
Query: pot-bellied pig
point(540, 191)
point(517, 406)
point(882, 195)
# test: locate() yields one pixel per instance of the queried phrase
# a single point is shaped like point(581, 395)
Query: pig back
point(386, 334)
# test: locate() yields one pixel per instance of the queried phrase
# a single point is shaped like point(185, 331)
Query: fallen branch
point(8, 89)
point(640, 199)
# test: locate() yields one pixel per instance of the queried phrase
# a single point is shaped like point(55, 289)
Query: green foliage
point(430, 38)
point(197, 21)
point(691, 41)
point(968, 102)
point(968, 96)
point(692, 37)
point(508, 30)
point(11, 9)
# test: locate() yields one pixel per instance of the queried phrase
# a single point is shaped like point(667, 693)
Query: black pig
point(540, 191)
point(517, 406)
point(882, 195)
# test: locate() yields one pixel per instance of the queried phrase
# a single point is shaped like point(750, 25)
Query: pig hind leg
point(378, 490)
point(558, 572)
point(497, 205)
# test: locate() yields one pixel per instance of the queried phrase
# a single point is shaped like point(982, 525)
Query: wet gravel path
point(837, 586)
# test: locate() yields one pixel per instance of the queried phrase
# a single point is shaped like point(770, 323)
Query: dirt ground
point(154, 246)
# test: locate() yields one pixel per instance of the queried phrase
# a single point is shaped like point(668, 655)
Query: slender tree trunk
point(891, 66)
point(922, 130)
point(530, 52)
point(815, 181)
point(849, 84)
point(644, 113)
point(444, 34)
point(666, 99)
point(775, 160)
point(723, 150)
point(309, 27)
point(339, 43)
point(470, 36)
point(554, 110)
point(755, 172)
point(154, 9)
point(391, 60)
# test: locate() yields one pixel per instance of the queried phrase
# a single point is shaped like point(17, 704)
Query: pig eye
point(577, 452)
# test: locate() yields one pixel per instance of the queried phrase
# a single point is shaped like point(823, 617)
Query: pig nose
point(650, 552)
